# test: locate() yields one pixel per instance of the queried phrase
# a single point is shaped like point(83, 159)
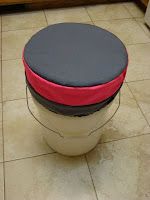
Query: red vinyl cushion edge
point(73, 96)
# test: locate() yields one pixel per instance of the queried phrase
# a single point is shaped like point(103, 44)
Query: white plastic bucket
point(73, 136)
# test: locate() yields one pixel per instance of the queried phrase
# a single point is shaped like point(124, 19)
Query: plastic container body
point(75, 132)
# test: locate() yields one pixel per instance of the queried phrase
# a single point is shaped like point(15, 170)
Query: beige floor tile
point(13, 42)
point(0, 112)
point(0, 93)
point(141, 92)
point(127, 122)
point(52, 177)
point(134, 9)
point(77, 14)
point(14, 85)
point(23, 136)
point(0, 84)
point(1, 140)
point(139, 62)
point(128, 30)
point(121, 169)
point(23, 20)
point(108, 11)
point(1, 144)
point(139, 53)
point(1, 182)
point(138, 72)
point(143, 25)
point(0, 45)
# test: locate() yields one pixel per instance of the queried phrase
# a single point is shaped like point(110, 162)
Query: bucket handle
point(58, 133)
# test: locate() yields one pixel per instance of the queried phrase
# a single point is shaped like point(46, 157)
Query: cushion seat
point(75, 64)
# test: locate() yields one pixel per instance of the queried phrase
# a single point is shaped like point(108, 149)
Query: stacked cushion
point(74, 69)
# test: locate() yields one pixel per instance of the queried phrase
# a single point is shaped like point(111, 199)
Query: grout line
point(138, 80)
point(105, 20)
point(7, 161)
point(45, 17)
point(15, 99)
point(24, 29)
point(131, 12)
point(115, 140)
point(138, 17)
point(138, 43)
point(2, 116)
point(11, 59)
point(138, 104)
point(89, 15)
point(128, 11)
point(91, 176)
point(142, 27)
point(44, 154)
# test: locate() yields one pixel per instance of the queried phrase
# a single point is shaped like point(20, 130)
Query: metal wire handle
point(58, 133)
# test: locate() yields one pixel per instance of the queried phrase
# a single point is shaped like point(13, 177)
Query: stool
point(74, 71)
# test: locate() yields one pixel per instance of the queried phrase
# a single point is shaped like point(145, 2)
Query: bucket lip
point(70, 110)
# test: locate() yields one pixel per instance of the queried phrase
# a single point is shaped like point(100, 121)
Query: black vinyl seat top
point(73, 54)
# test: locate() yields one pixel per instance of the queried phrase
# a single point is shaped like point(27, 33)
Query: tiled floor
point(118, 168)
